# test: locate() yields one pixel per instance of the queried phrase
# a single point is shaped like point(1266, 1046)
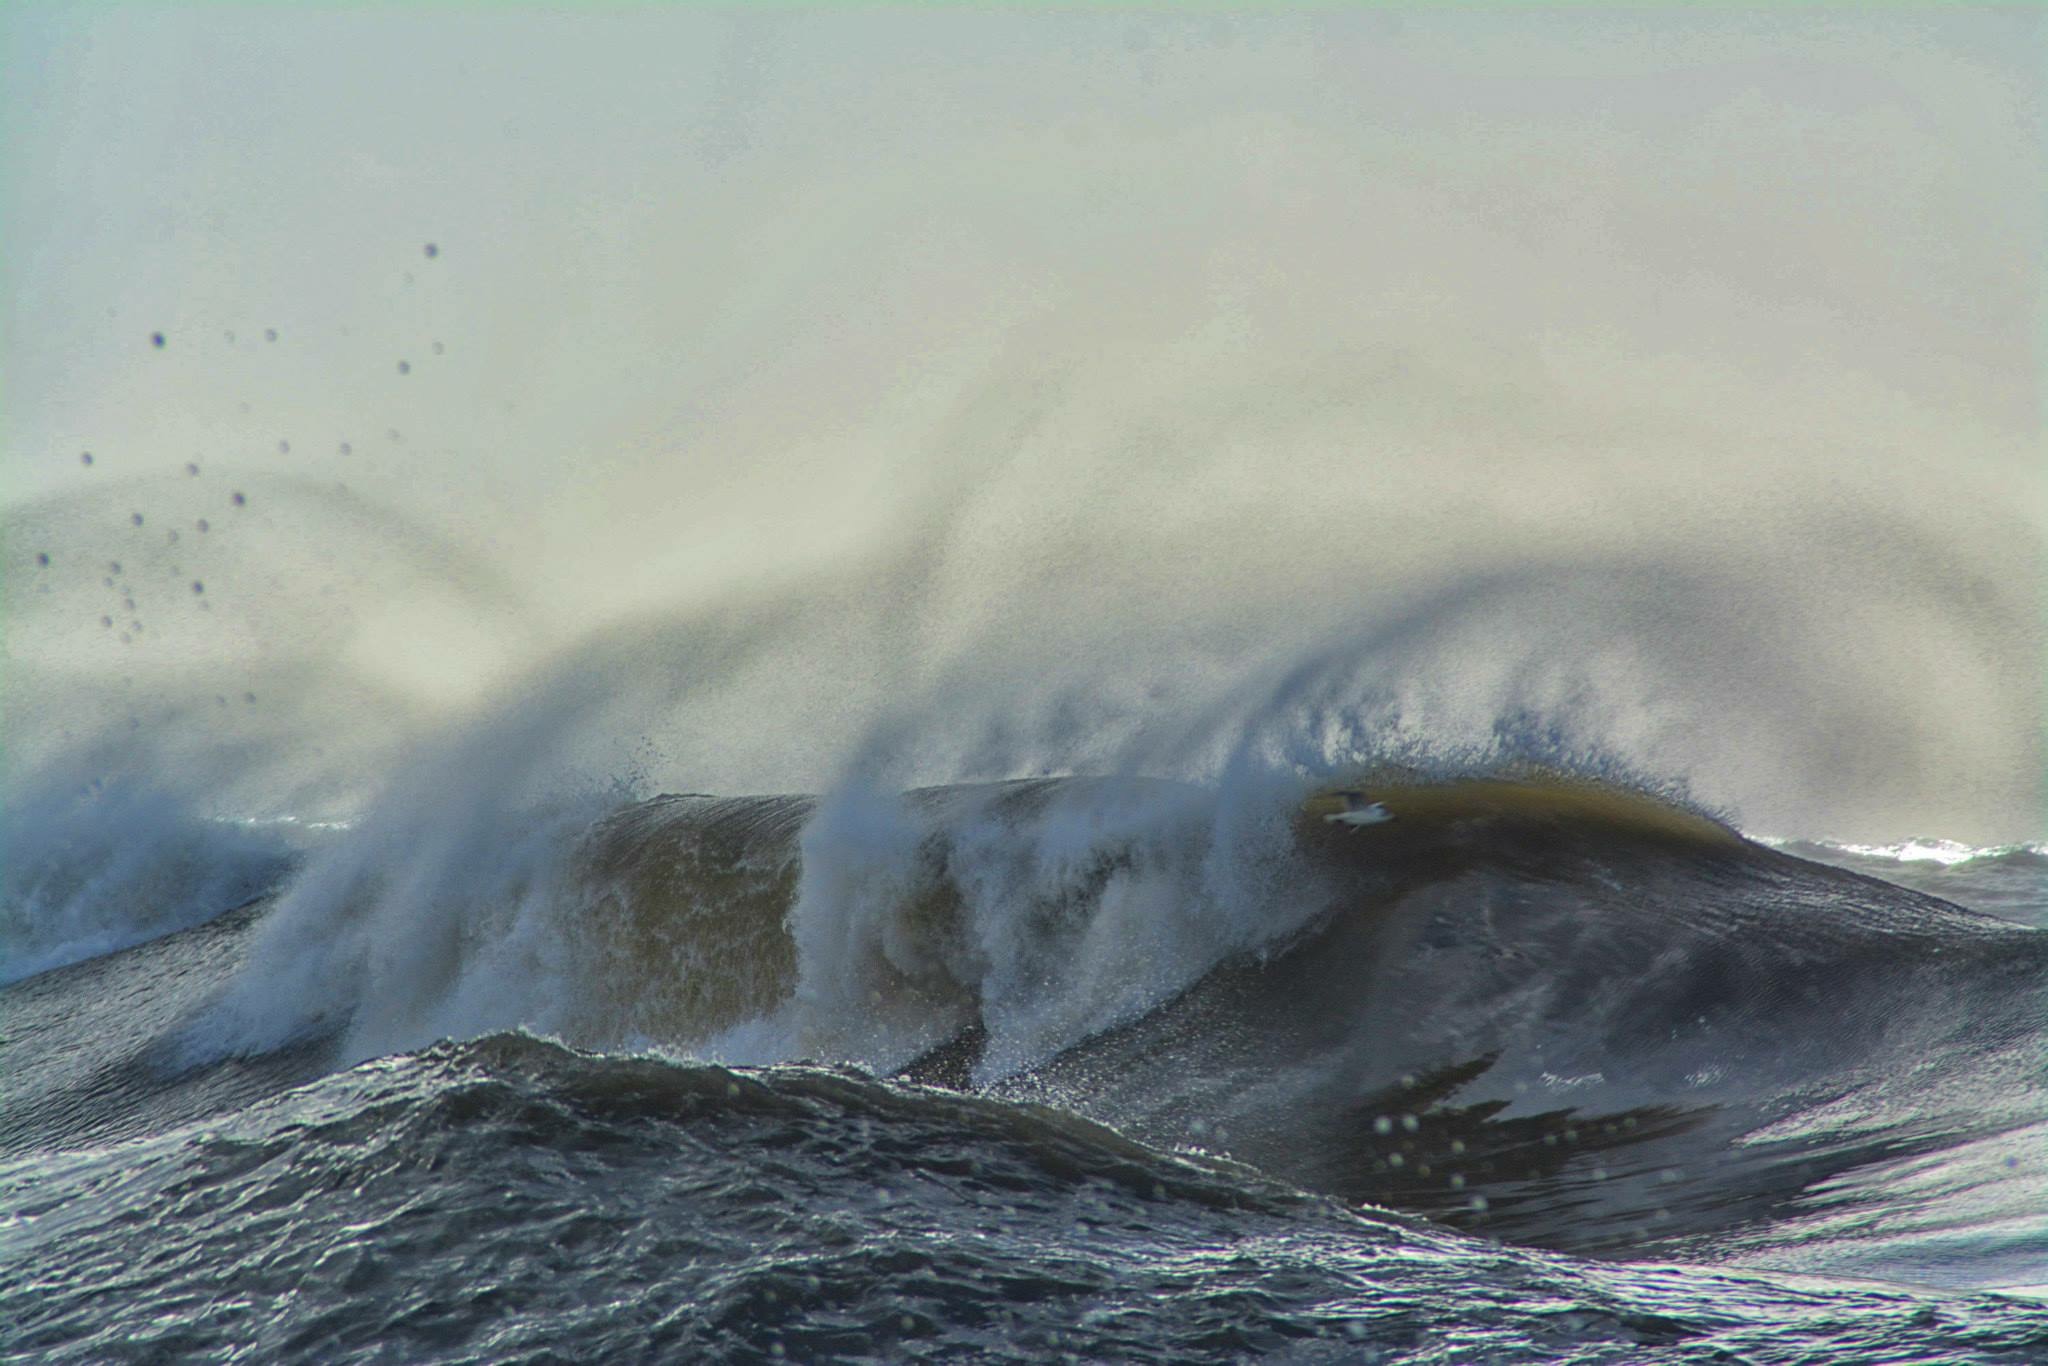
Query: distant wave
point(1947, 853)
point(2006, 880)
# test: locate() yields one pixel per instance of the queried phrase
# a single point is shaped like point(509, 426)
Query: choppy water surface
point(1537, 1071)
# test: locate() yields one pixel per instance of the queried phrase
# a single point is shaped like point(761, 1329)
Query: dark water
point(1523, 1078)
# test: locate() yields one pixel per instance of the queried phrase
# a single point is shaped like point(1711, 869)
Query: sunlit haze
point(1018, 392)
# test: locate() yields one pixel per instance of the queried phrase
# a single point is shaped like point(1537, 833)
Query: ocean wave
point(100, 856)
point(1531, 1004)
point(1946, 853)
point(2006, 880)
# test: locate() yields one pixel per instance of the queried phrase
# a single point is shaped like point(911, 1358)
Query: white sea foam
point(104, 850)
point(1948, 853)
point(437, 914)
point(1096, 904)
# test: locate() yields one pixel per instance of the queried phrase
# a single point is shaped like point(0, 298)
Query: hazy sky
point(1688, 358)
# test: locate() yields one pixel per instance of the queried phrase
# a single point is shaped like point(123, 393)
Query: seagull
point(1358, 810)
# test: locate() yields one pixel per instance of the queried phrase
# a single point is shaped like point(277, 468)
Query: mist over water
point(1020, 395)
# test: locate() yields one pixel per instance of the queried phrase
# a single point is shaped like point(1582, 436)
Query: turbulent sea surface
point(699, 683)
point(1541, 1069)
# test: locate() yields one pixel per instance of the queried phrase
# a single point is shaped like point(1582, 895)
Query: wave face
point(1544, 1010)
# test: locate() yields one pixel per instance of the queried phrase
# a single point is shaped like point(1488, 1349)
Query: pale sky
point(1082, 347)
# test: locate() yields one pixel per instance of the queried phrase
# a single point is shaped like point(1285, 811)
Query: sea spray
point(115, 844)
point(441, 913)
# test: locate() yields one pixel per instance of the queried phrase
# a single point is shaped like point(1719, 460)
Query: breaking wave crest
point(1543, 1006)
point(94, 863)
